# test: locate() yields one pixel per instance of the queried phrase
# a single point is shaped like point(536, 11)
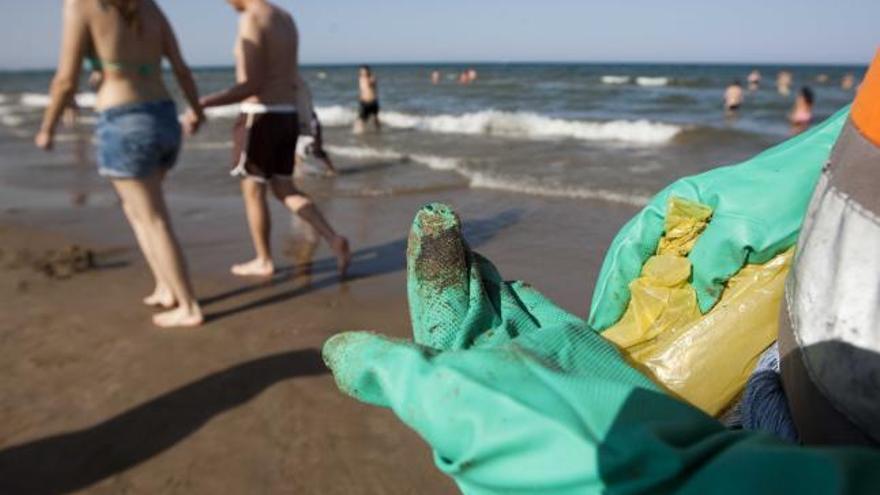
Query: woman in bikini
point(802, 113)
point(138, 134)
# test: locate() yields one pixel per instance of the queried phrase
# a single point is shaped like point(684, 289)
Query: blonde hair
point(129, 10)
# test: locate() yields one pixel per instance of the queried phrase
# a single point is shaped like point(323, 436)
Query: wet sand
point(94, 398)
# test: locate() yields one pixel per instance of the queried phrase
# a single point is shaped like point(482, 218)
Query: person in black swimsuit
point(368, 114)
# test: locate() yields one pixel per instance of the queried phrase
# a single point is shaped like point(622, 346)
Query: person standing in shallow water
point(783, 83)
point(801, 115)
point(138, 135)
point(733, 98)
point(368, 113)
point(754, 80)
point(275, 106)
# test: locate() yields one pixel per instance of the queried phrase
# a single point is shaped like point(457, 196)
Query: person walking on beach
point(733, 97)
point(138, 135)
point(271, 90)
point(368, 114)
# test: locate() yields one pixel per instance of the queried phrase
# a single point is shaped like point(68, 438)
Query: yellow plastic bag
point(703, 359)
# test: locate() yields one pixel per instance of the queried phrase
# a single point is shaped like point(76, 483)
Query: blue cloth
point(764, 406)
point(136, 140)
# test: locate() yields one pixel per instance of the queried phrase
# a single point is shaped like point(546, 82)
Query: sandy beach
point(93, 398)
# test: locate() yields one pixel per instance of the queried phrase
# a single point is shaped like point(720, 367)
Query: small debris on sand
point(54, 263)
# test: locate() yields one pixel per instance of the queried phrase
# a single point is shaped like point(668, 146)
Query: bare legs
point(161, 296)
point(361, 125)
point(145, 209)
point(297, 202)
point(254, 195)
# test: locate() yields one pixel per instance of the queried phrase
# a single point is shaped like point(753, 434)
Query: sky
point(380, 31)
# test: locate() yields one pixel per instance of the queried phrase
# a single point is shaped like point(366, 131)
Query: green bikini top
point(96, 64)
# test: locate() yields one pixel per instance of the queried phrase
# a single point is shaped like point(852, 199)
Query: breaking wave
point(523, 125)
point(652, 81)
point(616, 79)
point(40, 100)
point(517, 124)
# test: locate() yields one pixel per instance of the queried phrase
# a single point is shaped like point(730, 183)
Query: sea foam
point(615, 79)
point(652, 81)
point(523, 125)
point(40, 100)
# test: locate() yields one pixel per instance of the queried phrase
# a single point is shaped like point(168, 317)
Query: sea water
point(612, 132)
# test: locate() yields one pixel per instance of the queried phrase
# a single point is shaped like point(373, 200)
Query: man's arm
point(73, 43)
point(249, 37)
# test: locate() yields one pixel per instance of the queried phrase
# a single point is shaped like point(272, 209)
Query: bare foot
point(161, 298)
point(254, 268)
point(182, 316)
point(343, 254)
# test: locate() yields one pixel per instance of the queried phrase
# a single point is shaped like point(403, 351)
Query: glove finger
point(633, 245)
point(438, 277)
point(445, 403)
point(365, 365)
point(498, 416)
point(720, 252)
point(457, 298)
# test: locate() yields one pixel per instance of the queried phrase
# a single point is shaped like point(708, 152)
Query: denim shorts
point(136, 140)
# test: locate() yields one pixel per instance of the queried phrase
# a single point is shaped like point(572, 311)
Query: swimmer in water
point(733, 97)
point(802, 113)
point(848, 82)
point(368, 114)
point(783, 83)
point(754, 80)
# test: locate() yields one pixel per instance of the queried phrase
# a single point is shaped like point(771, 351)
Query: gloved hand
point(758, 205)
point(515, 395)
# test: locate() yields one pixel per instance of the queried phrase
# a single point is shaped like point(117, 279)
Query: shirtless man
point(269, 88)
point(369, 101)
point(783, 83)
point(733, 97)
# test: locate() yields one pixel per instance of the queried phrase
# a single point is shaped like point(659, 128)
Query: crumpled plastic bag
point(703, 359)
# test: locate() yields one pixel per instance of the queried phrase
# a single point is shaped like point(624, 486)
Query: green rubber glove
point(758, 205)
point(517, 396)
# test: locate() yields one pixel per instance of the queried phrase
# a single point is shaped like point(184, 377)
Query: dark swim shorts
point(135, 140)
point(264, 145)
point(368, 109)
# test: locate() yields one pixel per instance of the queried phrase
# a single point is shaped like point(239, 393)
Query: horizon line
point(502, 62)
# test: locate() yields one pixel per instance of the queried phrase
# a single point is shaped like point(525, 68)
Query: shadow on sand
point(368, 262)
point(75, 460)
